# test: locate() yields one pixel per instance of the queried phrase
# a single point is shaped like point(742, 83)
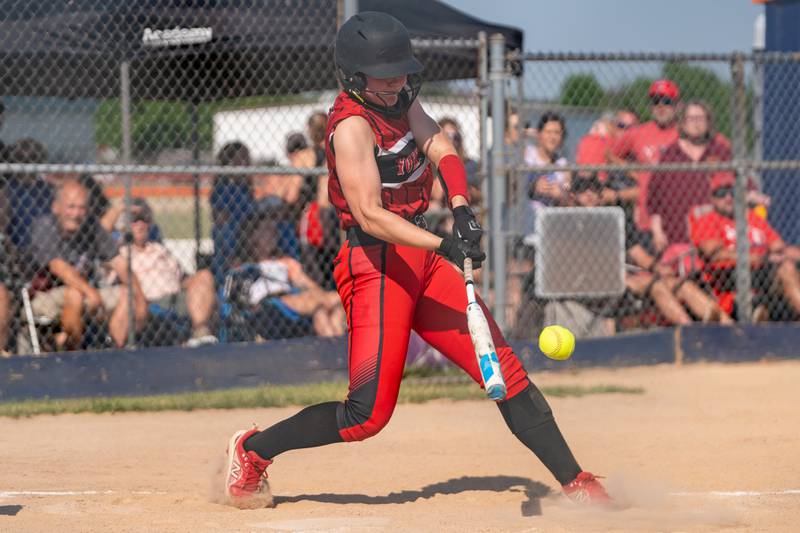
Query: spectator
point(289, 187)
point(29, 195)
point(317, 125)
point(452, 129)
point(164, 284)
point(593, 149)
point(319, 225)
point(100, 209)
point(645, 143)
point(671, 194)
point(278, 297)
point(550, 188)
point(68, 247)
point(232, 205)
point(669, 293)
point(774, 263)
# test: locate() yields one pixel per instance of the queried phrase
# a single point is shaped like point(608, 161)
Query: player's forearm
point(393, 228)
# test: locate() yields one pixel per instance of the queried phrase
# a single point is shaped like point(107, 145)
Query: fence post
point(125, 108)
point(486, 191)
point(744, 297)
point(497, 75)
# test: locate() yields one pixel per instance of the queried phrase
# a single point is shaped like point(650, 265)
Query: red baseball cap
point(722, 179)
point(666, 88)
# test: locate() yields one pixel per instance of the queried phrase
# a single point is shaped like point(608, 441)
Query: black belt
point(358, 237)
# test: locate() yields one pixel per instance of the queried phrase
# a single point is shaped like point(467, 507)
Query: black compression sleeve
point(311, 427)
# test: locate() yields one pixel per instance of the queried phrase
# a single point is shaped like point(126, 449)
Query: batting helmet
point(376, 45)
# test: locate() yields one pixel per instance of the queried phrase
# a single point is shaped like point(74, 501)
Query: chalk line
point(739, 493)
point(45, 493)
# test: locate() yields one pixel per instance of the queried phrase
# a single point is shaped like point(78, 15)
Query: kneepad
point(527, 410)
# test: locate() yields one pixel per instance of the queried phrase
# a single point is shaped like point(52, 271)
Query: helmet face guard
point(376, 45)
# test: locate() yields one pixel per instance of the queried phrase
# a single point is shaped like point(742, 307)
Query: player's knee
point(363, 421)
point(526, 410)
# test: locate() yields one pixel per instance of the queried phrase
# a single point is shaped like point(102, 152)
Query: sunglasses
point(722, 192)
point(662, 100)
point(623, 125)
point(583, 187)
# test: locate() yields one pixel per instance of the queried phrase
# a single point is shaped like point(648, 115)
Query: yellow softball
point(557, 342)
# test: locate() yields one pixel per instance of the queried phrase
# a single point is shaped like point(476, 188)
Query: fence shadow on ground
point(534, 491)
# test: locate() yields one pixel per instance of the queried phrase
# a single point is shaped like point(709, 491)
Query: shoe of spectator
point(246, 484)
point(586, 489)
point(200, 340)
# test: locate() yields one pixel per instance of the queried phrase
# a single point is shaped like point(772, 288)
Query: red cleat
point(246, 484)
point(586, 489)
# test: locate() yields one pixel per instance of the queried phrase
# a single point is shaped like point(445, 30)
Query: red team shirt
point(405, 172)
point(714, 226)
point(644, 144)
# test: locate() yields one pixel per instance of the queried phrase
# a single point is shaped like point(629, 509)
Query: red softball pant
point(387, 290)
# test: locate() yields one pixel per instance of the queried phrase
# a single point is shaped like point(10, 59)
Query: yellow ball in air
point(557, 342)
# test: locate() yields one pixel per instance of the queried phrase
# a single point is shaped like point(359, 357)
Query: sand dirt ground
point(707, 447)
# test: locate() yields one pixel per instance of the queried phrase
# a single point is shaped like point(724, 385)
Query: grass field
point(413, 391)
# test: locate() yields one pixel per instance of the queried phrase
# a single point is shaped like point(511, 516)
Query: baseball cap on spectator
point(585, 182)
point(143, 213)
point(664, 88)
point(722, 179)
point(296, 142)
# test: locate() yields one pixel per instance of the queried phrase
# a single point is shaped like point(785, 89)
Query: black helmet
point(377, 45)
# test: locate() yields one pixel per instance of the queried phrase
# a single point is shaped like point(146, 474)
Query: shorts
point(49, 304)
point(273, 319)
point(173, 302)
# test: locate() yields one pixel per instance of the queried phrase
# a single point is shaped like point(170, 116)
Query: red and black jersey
point(405, 172)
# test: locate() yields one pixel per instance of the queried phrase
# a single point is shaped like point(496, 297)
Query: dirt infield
point(705, 448)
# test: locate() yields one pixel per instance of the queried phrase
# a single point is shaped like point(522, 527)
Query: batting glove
point(466, 226)
point(456, 251)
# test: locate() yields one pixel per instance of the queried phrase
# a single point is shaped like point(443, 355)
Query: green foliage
point(582, 90)
point(413, 391)
point(159, 125)
point(632, 96)
point(155, 126)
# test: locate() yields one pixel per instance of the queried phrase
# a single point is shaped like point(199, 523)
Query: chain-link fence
point(676, 143)
point(183, 149)
point(164, 175)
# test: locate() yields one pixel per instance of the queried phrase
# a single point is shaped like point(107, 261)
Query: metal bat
point(481, 336)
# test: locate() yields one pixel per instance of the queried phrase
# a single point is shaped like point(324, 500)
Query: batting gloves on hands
point(466, 226)
point(456, 251)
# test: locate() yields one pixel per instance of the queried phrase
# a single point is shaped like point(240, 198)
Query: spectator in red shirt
point(670, 295)
point(593, 149)
point(644, 143)
point(671, 194)
point(774, 263)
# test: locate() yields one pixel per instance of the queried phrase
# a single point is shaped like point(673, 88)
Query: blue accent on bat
point(486, 365)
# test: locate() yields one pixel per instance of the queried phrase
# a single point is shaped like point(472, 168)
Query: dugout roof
point(202, 50)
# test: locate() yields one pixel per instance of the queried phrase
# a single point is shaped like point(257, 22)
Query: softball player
point(391, 274)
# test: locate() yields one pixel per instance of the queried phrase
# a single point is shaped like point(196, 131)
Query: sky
point(623, 25)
